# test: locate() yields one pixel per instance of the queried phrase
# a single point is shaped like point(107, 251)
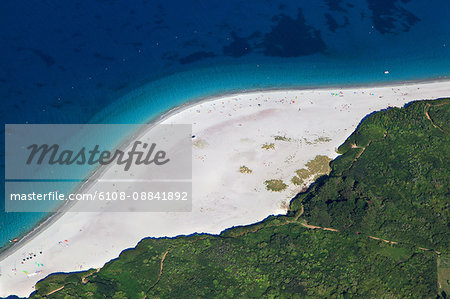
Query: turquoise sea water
point(158, 96)
point(116, 62)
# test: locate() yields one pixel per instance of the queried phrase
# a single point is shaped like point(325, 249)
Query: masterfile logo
point(53, 155)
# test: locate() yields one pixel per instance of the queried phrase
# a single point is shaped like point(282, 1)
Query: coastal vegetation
point(282, 138)
point(317, 140)
point(375, 226)
point(297, 181)
point(275, 185)
point(245, 169)
point(268, 146)
point(314, 168)
point(392, 179)
point(323, 139)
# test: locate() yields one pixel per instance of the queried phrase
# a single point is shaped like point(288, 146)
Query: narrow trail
point(426, 108)
point(384, 240)
point(426, 249)
point(363, 148)
point(160, 273)
point(429, 118)
point(54, 291)
point(305, 224)
point(83, 279)
point(360, 153)
point(162, 263)
point(300, 213)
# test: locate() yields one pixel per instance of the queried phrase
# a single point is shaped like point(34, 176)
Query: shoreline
point(153, 121)
point(232, 92)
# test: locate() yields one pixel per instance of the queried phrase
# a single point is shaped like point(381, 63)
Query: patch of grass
point(275, 185)
point(303, 173)
point(268, 146)
point(307, 141)
point(323, 139)
point(282, 138)
point(245, 169)
point(297, 181)
point(320, 165)
point(314, 168)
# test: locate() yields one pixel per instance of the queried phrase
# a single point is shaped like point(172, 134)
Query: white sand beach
point(230, 131)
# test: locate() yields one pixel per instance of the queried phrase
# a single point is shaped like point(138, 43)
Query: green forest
point(375, 227)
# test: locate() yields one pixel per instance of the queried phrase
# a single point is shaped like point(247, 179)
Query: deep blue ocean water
point(117, 61)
